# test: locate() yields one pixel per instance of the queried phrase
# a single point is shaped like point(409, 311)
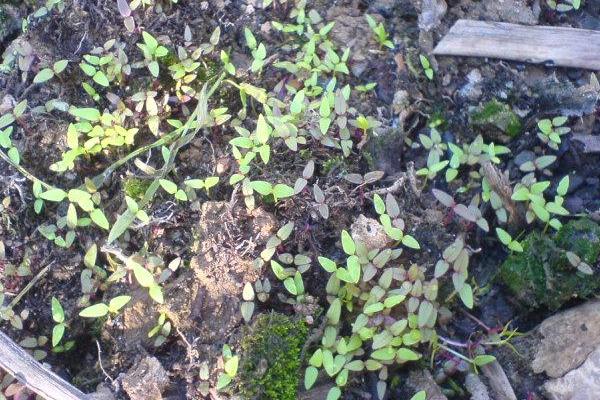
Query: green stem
point(456, 353)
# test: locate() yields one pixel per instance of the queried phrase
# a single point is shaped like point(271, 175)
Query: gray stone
point(582, 383)
point(146, 380)
point(422, 380)
point(568, 339)
point(432, 12)
point(369, 232)
point(476, 387)
point(524, 157)
point(472, 89)
point(515, 11)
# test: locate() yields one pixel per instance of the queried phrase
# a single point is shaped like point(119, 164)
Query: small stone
point(422, 380)
point(476, 387)
point(369, 232)
point(524, 157)
point(569, 338)
point(432, 12)
point(146, 380)
point(472, 89)
point(582, 383)
point(102, 392)
point(401, 101)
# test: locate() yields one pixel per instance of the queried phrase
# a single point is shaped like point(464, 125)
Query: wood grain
point(549, 45)
point(17, 362)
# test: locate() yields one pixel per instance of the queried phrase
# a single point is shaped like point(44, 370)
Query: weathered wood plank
point(567, 47)
point(31, 373)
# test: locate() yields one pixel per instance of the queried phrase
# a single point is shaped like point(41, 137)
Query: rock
point(401, 101)
point(495, 115)
point(432, 12)
point(422, 380)
point(515, 11)
point(472, 89)
point(590, 143)
point(370, 232)
point(542, 275)
point(476, 387)
point(563, 98)
point(498, 381)
point(582, 383)
point(146, 380)
point(102, 392)
point(568, 339)
point(384, 6)
point(352, 30)
point(523, 157)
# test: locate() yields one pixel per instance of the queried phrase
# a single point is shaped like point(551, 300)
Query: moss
point(498, 115)
point(135, 187)
point(542, 276)
point(581, 237)
point(270, 361)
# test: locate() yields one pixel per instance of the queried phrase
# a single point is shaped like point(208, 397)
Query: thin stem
point(456, 353)
point(452, 342)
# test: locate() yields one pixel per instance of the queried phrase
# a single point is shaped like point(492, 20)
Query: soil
point(219, 240)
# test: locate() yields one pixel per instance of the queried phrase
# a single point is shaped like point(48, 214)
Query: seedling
point(230, 367)
point(152, 52)
point(48, 73)
point(100, 310)
point(426, 66)
point(381, 35)
point(58, 315)
point(551, 131)
point(508, 241)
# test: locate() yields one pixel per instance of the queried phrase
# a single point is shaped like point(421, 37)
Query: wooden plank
point(549, 45)
point(32, 374)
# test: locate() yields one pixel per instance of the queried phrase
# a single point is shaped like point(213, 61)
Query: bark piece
point(18, 363)
point(549, 45)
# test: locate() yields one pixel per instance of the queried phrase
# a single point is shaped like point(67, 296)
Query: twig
point(31, 283)
point(112, 381)
point(23, 171)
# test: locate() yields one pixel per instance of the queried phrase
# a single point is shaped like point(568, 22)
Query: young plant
point(581, 266)
point(426, 66)
point(230, 367)
point(161, 330)
point(259, 51)
point(551, 131)
point(153, 51)
point(381, 35)
point(58, 315)
point(48, 73)
point(508, 241)
point(100, 310)
point(532, 194)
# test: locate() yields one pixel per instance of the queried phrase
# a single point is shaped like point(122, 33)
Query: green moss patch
point(542, 276)
point(498, 115)
point(270, 361)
